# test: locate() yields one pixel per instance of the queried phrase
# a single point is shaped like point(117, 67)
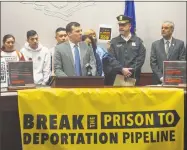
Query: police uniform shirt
point(126, 38)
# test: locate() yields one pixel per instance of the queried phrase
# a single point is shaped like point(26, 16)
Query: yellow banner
point(99, 119)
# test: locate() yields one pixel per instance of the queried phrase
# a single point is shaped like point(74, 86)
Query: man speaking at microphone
point(71, 57)
point(128, 50)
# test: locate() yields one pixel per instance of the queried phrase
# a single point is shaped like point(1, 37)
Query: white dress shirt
point(127, 38)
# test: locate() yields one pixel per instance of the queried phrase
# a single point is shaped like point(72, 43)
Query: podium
point(73, 82)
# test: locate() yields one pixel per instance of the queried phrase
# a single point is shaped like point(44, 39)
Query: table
point(10, 136)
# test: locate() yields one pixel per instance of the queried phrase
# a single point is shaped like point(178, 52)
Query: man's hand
point(161, 79)
point(126, 72)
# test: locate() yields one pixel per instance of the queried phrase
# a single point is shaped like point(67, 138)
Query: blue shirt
point(100, 51)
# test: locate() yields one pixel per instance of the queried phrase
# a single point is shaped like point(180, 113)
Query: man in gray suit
point(165, 49)
point(74, 58)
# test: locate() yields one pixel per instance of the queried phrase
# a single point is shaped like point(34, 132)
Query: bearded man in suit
point(73, 57)
point(166, 49)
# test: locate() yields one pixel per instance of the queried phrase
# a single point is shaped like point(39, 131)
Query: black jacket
point(111, 67)
point(130, 54)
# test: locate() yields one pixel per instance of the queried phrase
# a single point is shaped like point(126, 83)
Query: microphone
point(88, 68)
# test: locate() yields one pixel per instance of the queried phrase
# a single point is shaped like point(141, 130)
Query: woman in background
point(90, 41)
point(9, 51)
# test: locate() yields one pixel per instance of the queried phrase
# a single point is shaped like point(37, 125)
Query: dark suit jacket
point(99, 67)
point(176, 52)
point(111, 67)
point(64, 63)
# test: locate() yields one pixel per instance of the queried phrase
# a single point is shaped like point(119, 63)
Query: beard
point(122, 32)
point(34, 46)
point(60, 42)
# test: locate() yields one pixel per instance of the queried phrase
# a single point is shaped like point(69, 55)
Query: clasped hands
point(127, 72)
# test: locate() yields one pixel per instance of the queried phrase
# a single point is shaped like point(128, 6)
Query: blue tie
point(77, 61)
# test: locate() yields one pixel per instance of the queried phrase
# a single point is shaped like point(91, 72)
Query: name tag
point(119, 45)
point(133, 44)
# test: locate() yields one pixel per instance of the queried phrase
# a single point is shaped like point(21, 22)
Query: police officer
point(128, 50)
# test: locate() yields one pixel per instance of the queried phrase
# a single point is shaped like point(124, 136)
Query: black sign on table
point(20, 73)
point(174, 72)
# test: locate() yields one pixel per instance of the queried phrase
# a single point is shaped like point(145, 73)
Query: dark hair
point(70, 25)
point(7, 37)
point(31, 33)
point(94, 46)
point(60, 29)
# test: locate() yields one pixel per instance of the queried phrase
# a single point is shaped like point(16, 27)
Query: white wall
point(44, 17)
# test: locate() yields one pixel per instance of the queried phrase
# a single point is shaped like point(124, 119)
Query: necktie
point(77, 61)
point(167, 47)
